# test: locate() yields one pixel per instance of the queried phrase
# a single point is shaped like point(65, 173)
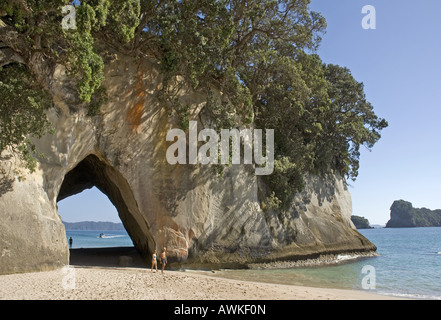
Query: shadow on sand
point(107, 257)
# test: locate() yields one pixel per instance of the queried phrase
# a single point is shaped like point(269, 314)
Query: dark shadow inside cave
point(95, 172)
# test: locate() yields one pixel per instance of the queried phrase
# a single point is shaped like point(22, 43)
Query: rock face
point(404, 215)
point(196, 215)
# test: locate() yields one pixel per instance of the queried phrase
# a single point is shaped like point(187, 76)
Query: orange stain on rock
point(134, 114)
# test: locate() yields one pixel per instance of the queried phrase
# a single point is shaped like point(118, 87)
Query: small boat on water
point(102, 235)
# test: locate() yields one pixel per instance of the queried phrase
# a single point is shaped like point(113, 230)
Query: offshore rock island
point(360, 222)
point(404, 215)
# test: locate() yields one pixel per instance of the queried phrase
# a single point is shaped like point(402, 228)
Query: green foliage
point(209, 42)
point(85, 64)
point(320, 116)
point(81, 59)
point(351, 119)
point(98, 99)
point(273, 202)
point(124, 19)
point(286, 180)
point(250, 58)
point(39, 23)
point(22, 112)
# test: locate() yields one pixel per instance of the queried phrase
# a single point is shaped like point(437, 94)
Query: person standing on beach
point(70, 242)
point(154, 262)
point(163, 259)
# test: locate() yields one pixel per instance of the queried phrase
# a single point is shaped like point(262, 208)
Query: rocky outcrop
point(198, 216)
point(404, 215)
point(360, 222)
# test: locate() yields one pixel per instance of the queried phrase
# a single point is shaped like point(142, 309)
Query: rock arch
point(92, 171)
point(199, 217)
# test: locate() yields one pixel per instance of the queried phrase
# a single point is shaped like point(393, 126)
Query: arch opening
point(95, 172)
point(92, 221)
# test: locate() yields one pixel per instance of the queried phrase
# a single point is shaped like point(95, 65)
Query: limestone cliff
point(186, 208)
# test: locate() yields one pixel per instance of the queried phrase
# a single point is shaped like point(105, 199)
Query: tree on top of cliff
point(255, 54)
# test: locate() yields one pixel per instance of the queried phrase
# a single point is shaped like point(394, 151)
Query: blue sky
point(89, 205)
point(400, 65)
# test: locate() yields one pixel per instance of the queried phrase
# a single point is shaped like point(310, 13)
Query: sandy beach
point(108, 283)
point(98, 274)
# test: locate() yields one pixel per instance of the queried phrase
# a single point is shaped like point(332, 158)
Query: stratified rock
point(197, 216)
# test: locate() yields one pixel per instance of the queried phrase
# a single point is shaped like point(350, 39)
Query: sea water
point(92, 239)
point(408, 265)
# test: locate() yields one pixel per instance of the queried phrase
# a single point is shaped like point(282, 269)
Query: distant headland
point(361, 222)
point(93, 225)
point(404, 215)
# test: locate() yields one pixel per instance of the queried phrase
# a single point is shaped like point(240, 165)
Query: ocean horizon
point(92, 239)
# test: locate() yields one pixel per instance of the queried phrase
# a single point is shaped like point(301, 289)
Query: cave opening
point(94, 171)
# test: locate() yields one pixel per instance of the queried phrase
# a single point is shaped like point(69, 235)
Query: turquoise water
point(409, 264)
point(91, 239)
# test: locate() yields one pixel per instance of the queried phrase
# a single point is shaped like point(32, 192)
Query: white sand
point(91, 283)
